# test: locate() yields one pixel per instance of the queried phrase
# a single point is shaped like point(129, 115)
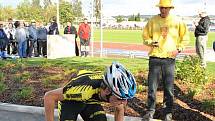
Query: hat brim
point(165, 6)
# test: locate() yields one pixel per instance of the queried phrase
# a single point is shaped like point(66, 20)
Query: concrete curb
point(19, 112)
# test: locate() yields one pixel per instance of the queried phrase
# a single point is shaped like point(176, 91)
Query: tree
point(97, 10)
point(23, 10)
point(131, 18)
point(47, 3)
point(77, 8)
point(66, 12)
point(137, 17)
point(134, 17)
point(119, 19)
point(6, 13)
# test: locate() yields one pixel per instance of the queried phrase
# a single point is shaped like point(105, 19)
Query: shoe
point(168, 117)
point(148, 116)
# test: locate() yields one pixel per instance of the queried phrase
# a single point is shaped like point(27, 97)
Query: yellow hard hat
point(165, 3)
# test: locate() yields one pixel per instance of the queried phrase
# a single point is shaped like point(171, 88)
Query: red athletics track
point(132, 47)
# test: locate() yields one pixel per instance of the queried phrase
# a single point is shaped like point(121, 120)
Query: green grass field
point(95, 63)
point(135, 36)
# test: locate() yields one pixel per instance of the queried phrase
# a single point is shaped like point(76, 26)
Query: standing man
point(42, 40)
point(33, 44)
point(53, 28)
point(69, 29)
point(3, 42)
point(201, 31)
point(21, 36)
point(166, 35)
point(84, 33)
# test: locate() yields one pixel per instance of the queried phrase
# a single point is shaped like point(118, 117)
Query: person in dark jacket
point(3, 42)
point(33, 39)
point(42, 40)
point(201, 31)
point(53, 28)
point(69, 29)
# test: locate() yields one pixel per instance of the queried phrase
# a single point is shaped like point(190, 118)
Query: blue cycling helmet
point(120, 81)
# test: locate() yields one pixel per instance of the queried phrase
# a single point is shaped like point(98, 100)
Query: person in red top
point(84, 33)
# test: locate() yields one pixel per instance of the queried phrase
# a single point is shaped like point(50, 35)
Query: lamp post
point(58, 18)
point(92, 30)
point(101, 28)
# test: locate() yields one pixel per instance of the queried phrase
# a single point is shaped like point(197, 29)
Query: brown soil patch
point(185, 109)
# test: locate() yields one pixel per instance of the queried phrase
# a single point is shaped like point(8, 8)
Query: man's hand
point(155, 44)
point(174, 53)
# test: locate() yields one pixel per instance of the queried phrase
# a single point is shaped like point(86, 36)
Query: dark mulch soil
point(185, 108)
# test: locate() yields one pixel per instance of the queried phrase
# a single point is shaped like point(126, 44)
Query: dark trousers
point(42, 48)
point(164, 68)
point(33, 46)
point(12, 47)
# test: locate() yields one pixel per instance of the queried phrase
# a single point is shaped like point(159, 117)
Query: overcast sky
point(147, 7)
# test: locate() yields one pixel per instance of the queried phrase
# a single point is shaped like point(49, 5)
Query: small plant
point(1, 76)
point(2, 87)
point(46, 64)
point(141, 88)
point(209, 104)
point(190, 70)
point(24, 93)
point(49, 81)
point(194, 91)
point(17, 78)
point(26, 75)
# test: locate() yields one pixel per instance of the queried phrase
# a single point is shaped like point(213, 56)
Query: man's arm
point(147, 35)
point(49, 102)
point(119, 113)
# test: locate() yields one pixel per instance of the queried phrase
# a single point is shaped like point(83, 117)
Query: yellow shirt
point(170, 33)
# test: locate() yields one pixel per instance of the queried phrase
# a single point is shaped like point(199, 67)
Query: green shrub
point(190, 71)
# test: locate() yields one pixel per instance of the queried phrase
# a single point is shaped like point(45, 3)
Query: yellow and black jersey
point(84, 87)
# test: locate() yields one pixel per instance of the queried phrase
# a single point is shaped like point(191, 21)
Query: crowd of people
point(26, 40)
point(22, 39)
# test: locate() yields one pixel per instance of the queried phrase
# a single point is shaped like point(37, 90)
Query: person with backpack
point(3, 42)
point(84, 93)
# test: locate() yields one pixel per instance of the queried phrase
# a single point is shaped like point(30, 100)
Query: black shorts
point(69, 110)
